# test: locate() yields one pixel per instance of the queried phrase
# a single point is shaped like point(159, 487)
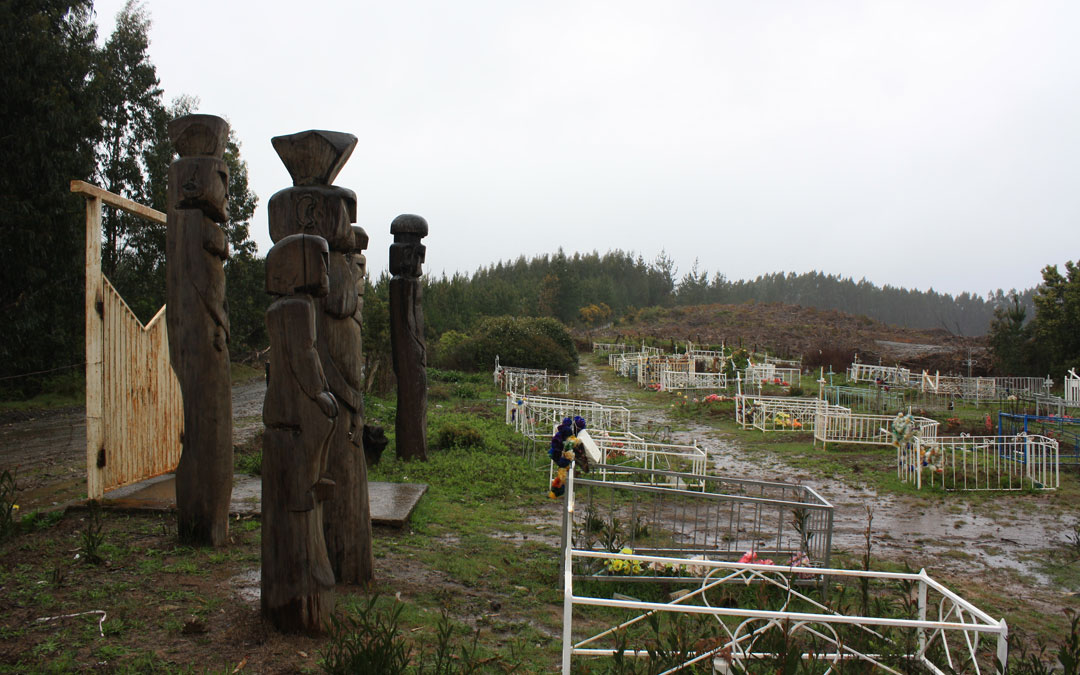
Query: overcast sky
point(917, 144)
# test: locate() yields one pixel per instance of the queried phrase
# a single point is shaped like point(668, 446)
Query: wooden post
point(198, 325)
point(95, 329)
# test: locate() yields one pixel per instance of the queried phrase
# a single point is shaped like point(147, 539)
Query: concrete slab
point(391, 503)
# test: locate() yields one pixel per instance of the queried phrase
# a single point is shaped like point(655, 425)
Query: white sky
point(916, 143)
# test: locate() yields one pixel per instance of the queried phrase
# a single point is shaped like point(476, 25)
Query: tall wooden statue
point(407, 335)
point(347, 519)
point(198, 323)
point(299, 413)
point(313, 206)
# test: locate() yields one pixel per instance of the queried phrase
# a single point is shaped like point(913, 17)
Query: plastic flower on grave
point(658, 567)
point(697, 570)
point(618, 565)
point(752, 558)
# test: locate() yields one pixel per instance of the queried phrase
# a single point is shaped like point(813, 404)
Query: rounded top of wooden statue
point(199, 135)
point(408, 223)
point(360, 238)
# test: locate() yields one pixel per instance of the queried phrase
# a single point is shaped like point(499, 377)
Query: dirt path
point(47, 450)
point(947, 536)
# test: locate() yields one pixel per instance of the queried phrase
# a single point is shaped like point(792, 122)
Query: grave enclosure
point(635, 521)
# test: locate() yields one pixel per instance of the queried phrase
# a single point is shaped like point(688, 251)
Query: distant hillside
point(618, 282)
point(820, 336)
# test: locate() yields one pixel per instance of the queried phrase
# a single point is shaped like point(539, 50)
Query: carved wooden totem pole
point(299, 413)
point(347, 516)
point(314, 206)
point(198, 325)
point(407, 335)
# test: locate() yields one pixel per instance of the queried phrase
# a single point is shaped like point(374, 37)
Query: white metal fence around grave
point(628, 364)
point(1072, 389)
point(611, 348)
point(531, 381)
point(784, 414)
point(967, 388)
point(934, 628)
point(786, 363)
point(891, 375)
point(650, 368)
point(619, 448)
point(753, 411)
point(1013, 385)
point(677, 380)
point(839, 425)
point(537, 416)
point(867, 400)
point(981, 462)
point(653, 513)
point(768, 373)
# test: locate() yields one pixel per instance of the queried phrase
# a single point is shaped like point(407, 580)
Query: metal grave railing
point(835, 425)
point(681, 540)
point(677, 514)
point(536, 416)
point(891, 375)
point(678, 380)
point(1064, 430)
point(864, 399)
point(621, 448)
point(968, 463)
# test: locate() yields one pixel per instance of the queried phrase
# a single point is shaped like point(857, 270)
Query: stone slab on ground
point(391, 503)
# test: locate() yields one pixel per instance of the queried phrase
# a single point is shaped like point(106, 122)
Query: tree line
point(74, 110)
point(1048, 344)
point(592, 288)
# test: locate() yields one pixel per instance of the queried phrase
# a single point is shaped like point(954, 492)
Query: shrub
point(458, 434)
point(525, 342)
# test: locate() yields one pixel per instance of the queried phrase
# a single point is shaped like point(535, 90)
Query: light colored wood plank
point(134, 208)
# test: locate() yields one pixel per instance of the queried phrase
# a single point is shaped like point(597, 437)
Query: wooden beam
point(134, 208)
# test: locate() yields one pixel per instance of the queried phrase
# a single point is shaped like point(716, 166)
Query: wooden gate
point(134, 409)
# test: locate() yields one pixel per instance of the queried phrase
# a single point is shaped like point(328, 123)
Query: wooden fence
point(134, 408)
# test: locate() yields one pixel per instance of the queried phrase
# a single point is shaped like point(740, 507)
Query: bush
point(526, 342)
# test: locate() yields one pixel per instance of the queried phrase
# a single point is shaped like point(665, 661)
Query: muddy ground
point(989, 549)
point(998, 543)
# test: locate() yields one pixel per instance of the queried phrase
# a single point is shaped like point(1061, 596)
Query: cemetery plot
point(684, 515)
point(776, 621)
point(611, 348)
point(536, 416)
point(768, 373)
point(863, 399)
point(838, 425)
point(624, 448)
point(892, 375)
point(1064, 430)
point(981, 462)
point(780, 413)
point(677, 380)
